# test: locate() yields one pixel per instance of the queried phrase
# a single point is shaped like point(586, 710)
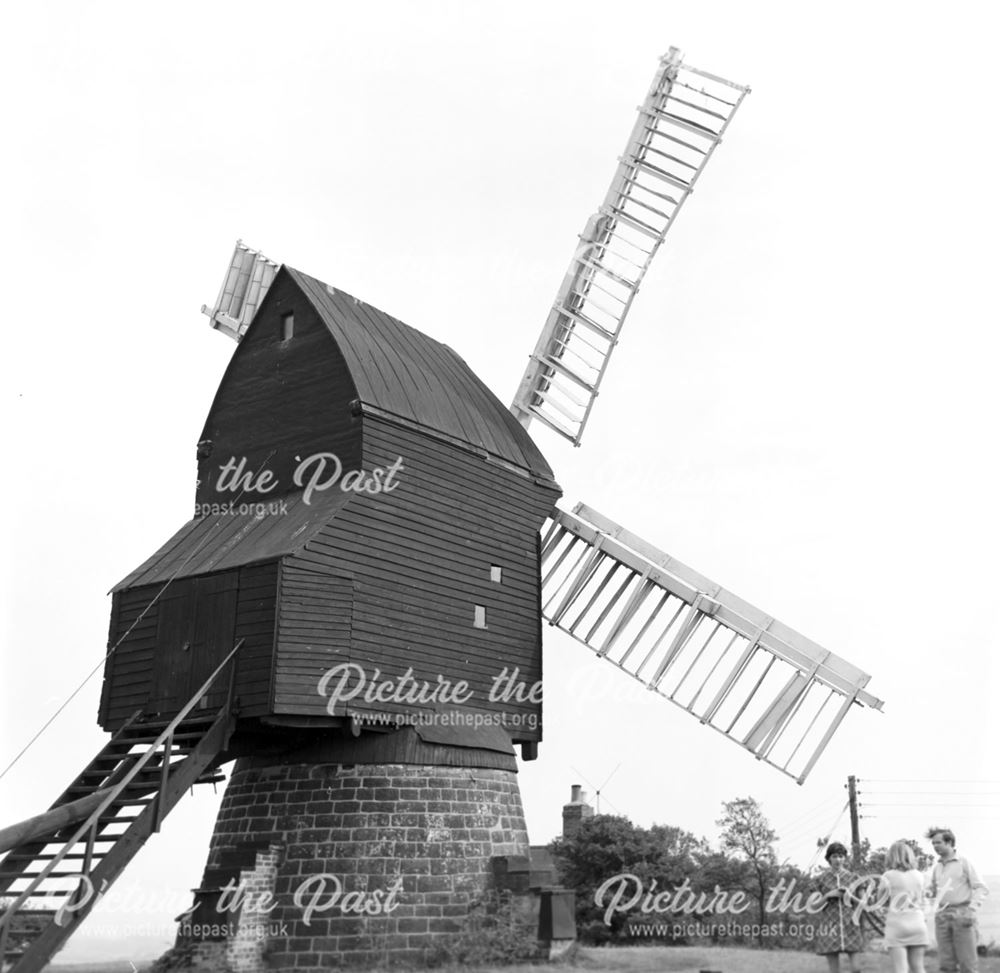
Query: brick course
point(433, 829)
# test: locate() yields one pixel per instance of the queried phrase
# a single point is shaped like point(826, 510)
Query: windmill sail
point(726, 662)
point(679, 125)
point(246, 282)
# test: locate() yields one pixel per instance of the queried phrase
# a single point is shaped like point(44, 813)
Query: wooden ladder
point(55, 879)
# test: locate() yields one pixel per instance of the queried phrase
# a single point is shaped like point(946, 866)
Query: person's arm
point(930, 883)
point(979, 888)
point(825, 885)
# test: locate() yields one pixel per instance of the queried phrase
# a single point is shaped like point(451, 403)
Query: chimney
point(576, 812)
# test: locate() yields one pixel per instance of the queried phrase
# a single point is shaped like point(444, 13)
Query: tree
point(875, 861)
point(607, 846)
point(748, 835)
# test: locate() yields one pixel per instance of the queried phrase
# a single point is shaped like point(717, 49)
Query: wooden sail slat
point(615, 221)
point(762, 681)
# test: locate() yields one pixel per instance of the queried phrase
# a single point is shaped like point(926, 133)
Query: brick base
point(347, 865)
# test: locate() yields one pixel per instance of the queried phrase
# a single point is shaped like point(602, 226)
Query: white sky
point(802, 408)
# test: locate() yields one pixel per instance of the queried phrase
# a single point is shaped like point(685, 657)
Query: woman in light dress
point(905, 928)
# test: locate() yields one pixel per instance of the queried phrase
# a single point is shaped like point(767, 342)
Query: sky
point(802, 406)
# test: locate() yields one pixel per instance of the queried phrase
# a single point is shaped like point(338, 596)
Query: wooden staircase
point(51, 881)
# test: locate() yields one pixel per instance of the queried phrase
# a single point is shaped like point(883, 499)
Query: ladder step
point(148, 732)
point(125, 758)
point(71, 855)
point(54, 894)
point(111, 759)
point(15, 875)
point(149, 779)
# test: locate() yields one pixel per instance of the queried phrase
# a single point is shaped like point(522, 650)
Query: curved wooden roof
point(402, 371)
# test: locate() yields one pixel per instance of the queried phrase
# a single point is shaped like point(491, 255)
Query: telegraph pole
point(852, 799)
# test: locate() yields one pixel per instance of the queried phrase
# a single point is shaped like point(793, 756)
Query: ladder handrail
point(116, 791)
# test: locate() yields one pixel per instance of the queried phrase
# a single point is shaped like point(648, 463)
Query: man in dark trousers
point(958, 895)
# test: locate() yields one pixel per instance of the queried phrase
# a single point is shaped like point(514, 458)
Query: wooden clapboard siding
point(255, 624)
point(281, 399)
point(421, 556)
point(314, 634)
point(127, 671)
point(388, 580)
point(149, 671)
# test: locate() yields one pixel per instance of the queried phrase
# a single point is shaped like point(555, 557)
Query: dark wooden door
point(212, 639)
point(172, 659)
point(197, 618)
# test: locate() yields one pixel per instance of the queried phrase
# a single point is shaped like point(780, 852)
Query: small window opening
point(496, 573)
point(479, 617)
point(287, 327)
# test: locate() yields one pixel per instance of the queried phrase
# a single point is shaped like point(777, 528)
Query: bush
point(502, 930)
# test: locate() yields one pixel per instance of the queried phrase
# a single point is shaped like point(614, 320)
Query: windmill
point(354, 613)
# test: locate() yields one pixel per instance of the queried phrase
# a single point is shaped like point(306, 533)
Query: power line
point(809, 832)
point(911, 793)
point(114, 648)
point(926, 804)
point(909, 817)
point(821, 807)
point(922, 780)
point(843, 811)
point(807, 827)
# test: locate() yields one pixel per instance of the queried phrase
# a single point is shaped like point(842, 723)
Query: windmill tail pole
point(51, 821)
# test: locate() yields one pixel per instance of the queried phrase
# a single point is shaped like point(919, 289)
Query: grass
point(651, 959)
point(693, 959)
